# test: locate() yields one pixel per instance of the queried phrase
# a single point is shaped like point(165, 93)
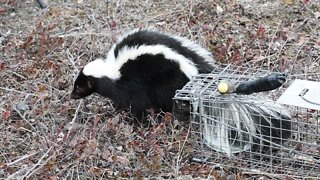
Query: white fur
point(96, 68)
point(111, 66)
point(220, 118)
point(201, 51)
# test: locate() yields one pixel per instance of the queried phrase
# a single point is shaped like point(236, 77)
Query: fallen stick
point(41, 4)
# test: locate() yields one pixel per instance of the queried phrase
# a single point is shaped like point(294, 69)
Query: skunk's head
point(92, 78)
point(83, 86)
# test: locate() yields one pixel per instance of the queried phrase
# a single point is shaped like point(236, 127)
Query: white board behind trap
point(311, 97)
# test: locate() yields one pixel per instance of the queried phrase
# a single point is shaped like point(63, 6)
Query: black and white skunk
point(144, 69)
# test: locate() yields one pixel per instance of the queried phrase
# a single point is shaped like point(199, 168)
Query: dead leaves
point(40, 42)
point(301, 40)
point(288, 2)
point(83, 148)
point(261, 32)
point(120, 159)
point(95, 171)
point(27, 42)
point(2, 66)
point(203, 170)
point(106, 154)
point(6, 115)
point(2, 10)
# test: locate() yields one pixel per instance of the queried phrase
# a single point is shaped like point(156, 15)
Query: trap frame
point(297, 156)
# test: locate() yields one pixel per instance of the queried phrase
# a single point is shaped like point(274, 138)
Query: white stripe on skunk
point(111, 66)
point(204, 53)
point(207, 56)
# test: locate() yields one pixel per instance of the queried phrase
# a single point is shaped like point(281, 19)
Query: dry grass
point(45, 135)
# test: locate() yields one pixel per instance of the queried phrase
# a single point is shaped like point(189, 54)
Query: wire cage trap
point(253, 133)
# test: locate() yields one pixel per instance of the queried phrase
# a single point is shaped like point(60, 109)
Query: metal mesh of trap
point(284, 141)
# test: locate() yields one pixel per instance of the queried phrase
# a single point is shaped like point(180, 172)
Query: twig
point(74, 118)
point(16, 174)
point(221, 171)
point(41, 4)
point(81, 34)
point(23, 118)
point(279, 54)
point(20, 159)
point(264, 57)
point(19, 75)
point(33, 169)
point(4, 36)
point(71, 59)
point(67, 168)
point(271, 43)
point(179, 158)
point(13, 90)
point(261, 173)
point(35, 130)
point(24, 129)
point(296, 57)
point(272, 38)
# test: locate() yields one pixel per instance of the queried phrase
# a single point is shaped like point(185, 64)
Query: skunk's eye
point(79, 89)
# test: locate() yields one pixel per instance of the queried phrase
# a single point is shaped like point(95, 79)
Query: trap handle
point(267, 83)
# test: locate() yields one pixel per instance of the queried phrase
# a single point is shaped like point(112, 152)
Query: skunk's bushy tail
point(233, 127)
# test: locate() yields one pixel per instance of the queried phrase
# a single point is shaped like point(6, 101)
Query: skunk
point(143, 70)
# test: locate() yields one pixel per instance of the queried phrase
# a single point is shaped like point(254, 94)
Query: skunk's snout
point(74, 96)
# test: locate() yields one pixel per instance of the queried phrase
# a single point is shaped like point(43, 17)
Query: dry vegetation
point(45, 135)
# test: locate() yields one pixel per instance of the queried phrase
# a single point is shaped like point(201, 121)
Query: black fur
point(277, 132)
point(83, 86)
point(149, 81)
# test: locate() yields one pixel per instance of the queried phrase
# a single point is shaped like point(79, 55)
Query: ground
point(46, 135)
